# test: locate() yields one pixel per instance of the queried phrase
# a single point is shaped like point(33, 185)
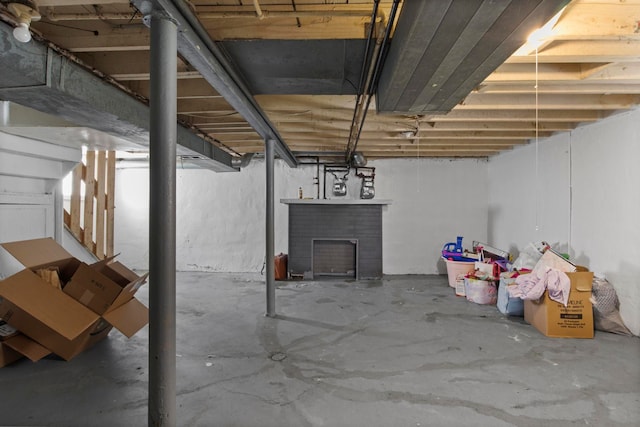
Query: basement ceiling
point(459, 78)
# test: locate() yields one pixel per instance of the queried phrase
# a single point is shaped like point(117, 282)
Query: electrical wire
point(537, 186)
point(417, 140)
point(570, 195)
point(55, 24)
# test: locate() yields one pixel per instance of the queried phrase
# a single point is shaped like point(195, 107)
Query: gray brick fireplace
point(335, 238)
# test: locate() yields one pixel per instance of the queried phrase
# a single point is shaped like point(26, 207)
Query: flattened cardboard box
point(555, 320)
point(8, 355)
point(50, 316)
point(14, 345)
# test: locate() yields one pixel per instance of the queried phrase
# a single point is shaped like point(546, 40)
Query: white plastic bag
point(530, 255)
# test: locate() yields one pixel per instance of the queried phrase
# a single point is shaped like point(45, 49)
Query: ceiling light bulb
point(25, 11)
point(22, 33)
point(409, 134)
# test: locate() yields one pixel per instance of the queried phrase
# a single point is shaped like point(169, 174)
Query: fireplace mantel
point(335, 202)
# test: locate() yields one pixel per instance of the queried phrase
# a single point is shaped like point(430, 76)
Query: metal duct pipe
point(360, 113)
point(51, 81)
point(365, 79)
point(52, 16)
point(243, 161)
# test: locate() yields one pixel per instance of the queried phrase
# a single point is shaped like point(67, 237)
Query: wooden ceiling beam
point(423, 149)
point(568, 74)
point(224, 128)
point(187, 88)
point(562, 88)
point(58, 3)
point(423, 135)
point(443, 152)
point(596, 18)
point(403, 155)
point(297, 103)
point(582, 51)
point(499, 126)
point(440, 143)
point(127, 65)
point(376, 127)
point(587, 69)
point(195, 106)
point(549, 101)
point(520, 115)
point(129, 39)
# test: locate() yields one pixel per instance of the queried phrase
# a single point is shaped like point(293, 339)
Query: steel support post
point(162, 222)
point(271, 290)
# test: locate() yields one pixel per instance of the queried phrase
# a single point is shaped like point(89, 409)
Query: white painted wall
point(434, 201)
point(529, 203)
point(221, 215)
point(586, 200)
point(29, 173)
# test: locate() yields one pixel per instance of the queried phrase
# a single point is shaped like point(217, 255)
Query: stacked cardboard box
point(94, 299)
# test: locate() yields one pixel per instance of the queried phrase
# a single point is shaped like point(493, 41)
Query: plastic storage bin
point(457, 268)
point(507, 304)
point(480, 291)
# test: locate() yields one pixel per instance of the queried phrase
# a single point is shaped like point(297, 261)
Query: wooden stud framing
point(92, 224)
point(110, 202)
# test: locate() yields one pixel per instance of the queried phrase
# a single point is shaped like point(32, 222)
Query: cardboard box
point(42, 254)
point(555, 320)
point(53, 318)
point(8, 355)
point(14, 345)
point(104, 286)
point(19, 346)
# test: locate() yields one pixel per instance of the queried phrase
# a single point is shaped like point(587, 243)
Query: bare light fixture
point(408, 134)
point(25, 11)
point(540, 36)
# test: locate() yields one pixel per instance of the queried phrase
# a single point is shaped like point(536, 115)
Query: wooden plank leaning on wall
point(91, 215)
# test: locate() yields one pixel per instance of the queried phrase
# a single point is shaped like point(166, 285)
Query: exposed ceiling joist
point(195, 45)
point(588, 69)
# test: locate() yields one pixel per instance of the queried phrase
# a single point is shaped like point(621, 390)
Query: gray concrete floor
point(402, 351)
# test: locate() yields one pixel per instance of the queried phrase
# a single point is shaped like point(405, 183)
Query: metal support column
point(162, 222)
point(271, 290)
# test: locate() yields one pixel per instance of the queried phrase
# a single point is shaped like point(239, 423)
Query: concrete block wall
point(221, 215)
point(583, 199)
point(581, 196)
